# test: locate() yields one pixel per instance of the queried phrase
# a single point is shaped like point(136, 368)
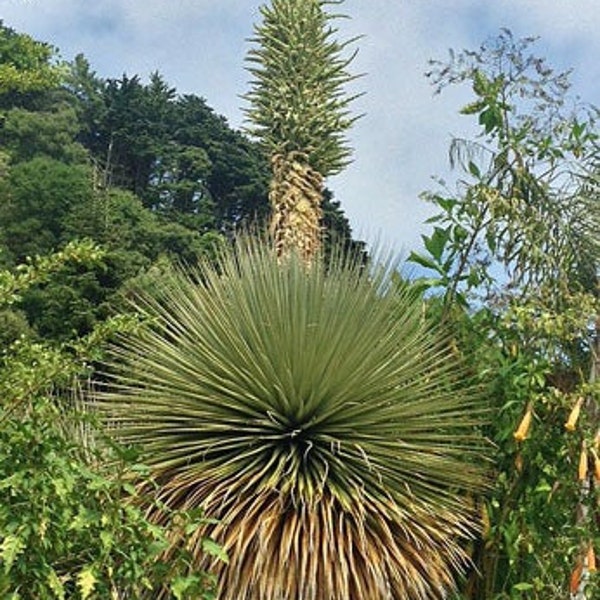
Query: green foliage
point(297, 99)
point(25, 64)
point(71, 529)
point(71, 524)
point(303, 408)
point(527, 201)
point(39, 269)
point(49, 133)
point(13, 325)
point(185, 179)
point(37, 197)
point(173, 152)
point(513, 258)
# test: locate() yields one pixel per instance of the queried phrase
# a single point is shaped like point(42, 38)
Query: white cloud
point(402, 140)
point(199, 46)
point(404, 137)
point(566, 19)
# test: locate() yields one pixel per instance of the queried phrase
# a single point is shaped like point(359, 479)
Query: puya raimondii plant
point(314, 413)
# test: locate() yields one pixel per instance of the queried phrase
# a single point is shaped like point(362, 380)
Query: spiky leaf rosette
point(316, 415)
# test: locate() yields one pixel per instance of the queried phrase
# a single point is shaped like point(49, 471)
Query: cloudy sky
point(199, 47)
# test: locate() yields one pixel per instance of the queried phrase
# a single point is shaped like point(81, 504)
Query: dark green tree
point(37, 197)
point(50, 132)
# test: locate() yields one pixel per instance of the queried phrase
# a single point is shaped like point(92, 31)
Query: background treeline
point(147, 173)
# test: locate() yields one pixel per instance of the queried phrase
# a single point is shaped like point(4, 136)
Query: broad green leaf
point(182, 584)
point(213, 549)
point(523, 586)
point(481, 83)
point(491, 119)
point(12, 546)
point(474, 169)
point(436, 243)
point(424, 261)
point(472, 108)
point(86, 582)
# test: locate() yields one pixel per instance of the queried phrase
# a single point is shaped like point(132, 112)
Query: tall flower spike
point(299, 111)
point(522, 430)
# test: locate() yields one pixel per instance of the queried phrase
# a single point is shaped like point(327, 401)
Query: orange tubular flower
point(576, 578)
point(572, 420)
point(523, 429)
point(583, 463)
point(596, 465)
point(591, 558)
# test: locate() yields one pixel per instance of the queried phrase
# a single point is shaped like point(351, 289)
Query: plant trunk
point(296, 197)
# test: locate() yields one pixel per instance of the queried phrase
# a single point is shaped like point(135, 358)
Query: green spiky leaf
point(315, 414)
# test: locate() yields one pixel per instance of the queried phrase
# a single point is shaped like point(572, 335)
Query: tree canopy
point(148, 173)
